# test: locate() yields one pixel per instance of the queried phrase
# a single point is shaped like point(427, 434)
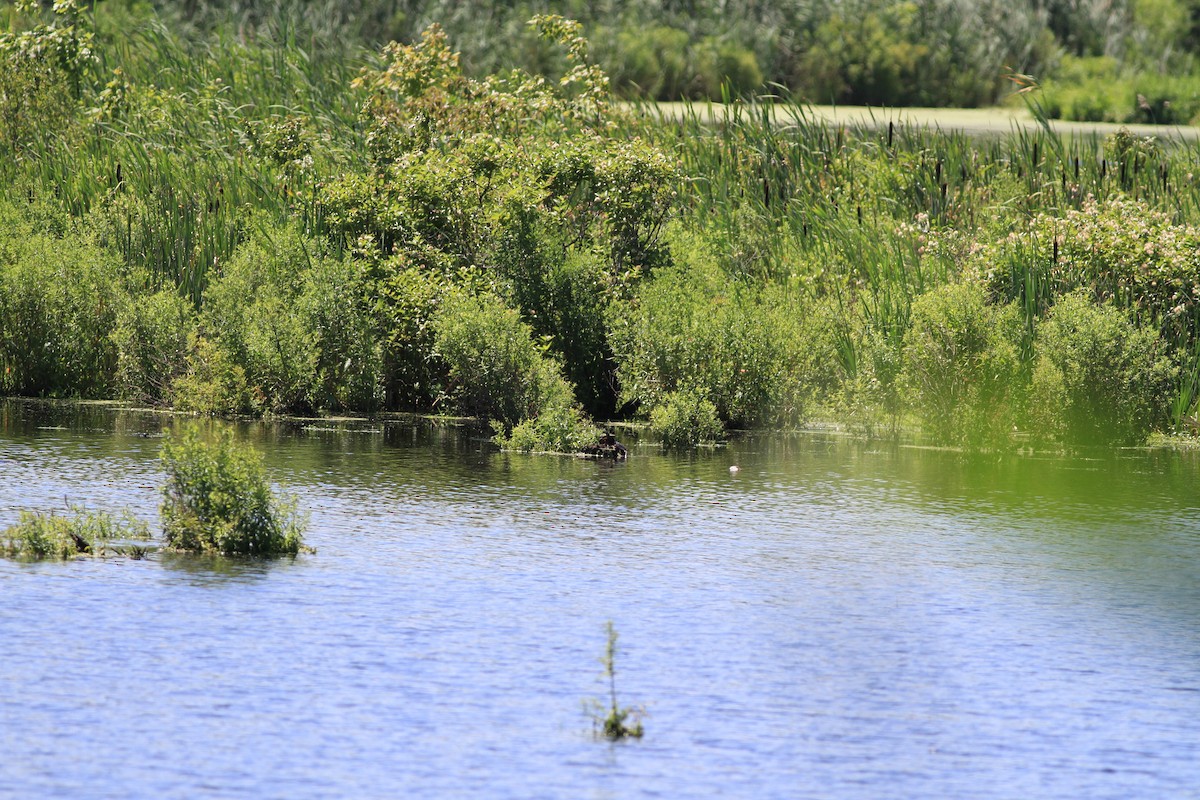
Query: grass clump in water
point(217, 500)
point(92, 533)
point(615, 723)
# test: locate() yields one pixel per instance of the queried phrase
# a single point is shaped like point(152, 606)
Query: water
point(837, 619)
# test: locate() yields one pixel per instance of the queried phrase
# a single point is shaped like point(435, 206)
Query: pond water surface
point(837, 619)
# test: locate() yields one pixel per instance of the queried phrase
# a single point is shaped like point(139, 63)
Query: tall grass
point(162, 159)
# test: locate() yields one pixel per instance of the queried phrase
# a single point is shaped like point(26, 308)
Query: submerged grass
point(85, 533)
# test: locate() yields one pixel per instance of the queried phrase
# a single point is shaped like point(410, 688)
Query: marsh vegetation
point(261, 224)
point(216, 500)
point(85, 532)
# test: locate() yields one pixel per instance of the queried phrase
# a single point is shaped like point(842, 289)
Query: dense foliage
point(262, 224)
point(217, 500)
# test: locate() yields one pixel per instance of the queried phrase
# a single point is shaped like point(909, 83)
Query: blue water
point(837, 619)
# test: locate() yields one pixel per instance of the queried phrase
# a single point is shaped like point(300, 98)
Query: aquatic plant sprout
point(615, 722)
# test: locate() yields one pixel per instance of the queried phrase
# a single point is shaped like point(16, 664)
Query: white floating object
point(735, 469)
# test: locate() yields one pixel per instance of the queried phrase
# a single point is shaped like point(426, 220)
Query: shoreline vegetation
point(268, 224)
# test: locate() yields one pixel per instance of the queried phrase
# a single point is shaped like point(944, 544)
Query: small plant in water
point(614, 723)
point(89, 533)
point(217, 500)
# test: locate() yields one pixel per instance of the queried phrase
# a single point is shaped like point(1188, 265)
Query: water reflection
point(205, 570)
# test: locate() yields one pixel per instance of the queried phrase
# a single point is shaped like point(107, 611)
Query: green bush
point(685, 419)
point(962, 367)
point(35, 106)
point(59, 299)
point(1102, 89)
point(652, 62)
point(496, 370)
point(1086, 89)
point(899, 54)
point(296, 321)
point(560, 426)
point(1119, 251)
point(529, 180)
point(724, 66)
point(866, 390)
point(1099, 378)
point(94, 533)
point(563, 297)
point(217, 500)
point(250, 314)
point(212, 383)
point(409, 297)
point(152, 338)
point(334, 305)
point(61, 40)
point(693, 329)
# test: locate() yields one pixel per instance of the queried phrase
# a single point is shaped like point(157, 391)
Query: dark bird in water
point(607, 447)
point(81, 544)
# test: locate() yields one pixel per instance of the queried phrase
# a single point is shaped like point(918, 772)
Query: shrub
point(685, 419)
point(212, 383)
point(94, 533)
point(725, 66)
point(868, 397)
point(652, 60)
point(526, 178)
point(493, 361)
point(1097, 90)
point(63, 41)
point(152, 338)
point(59, 298)
point(497, 371)
point(1087, 89)
point(250, 316)
point(560, 426)
point(962, 365)
point(563, 297)
point(281, 352)
point(1099, 378)
point(693, 329)
point(217, 500)
point(1119, 251)
point(296, 321)
point(409, 297)
point(35, 105)
point(333, 305)
point(940, 53)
